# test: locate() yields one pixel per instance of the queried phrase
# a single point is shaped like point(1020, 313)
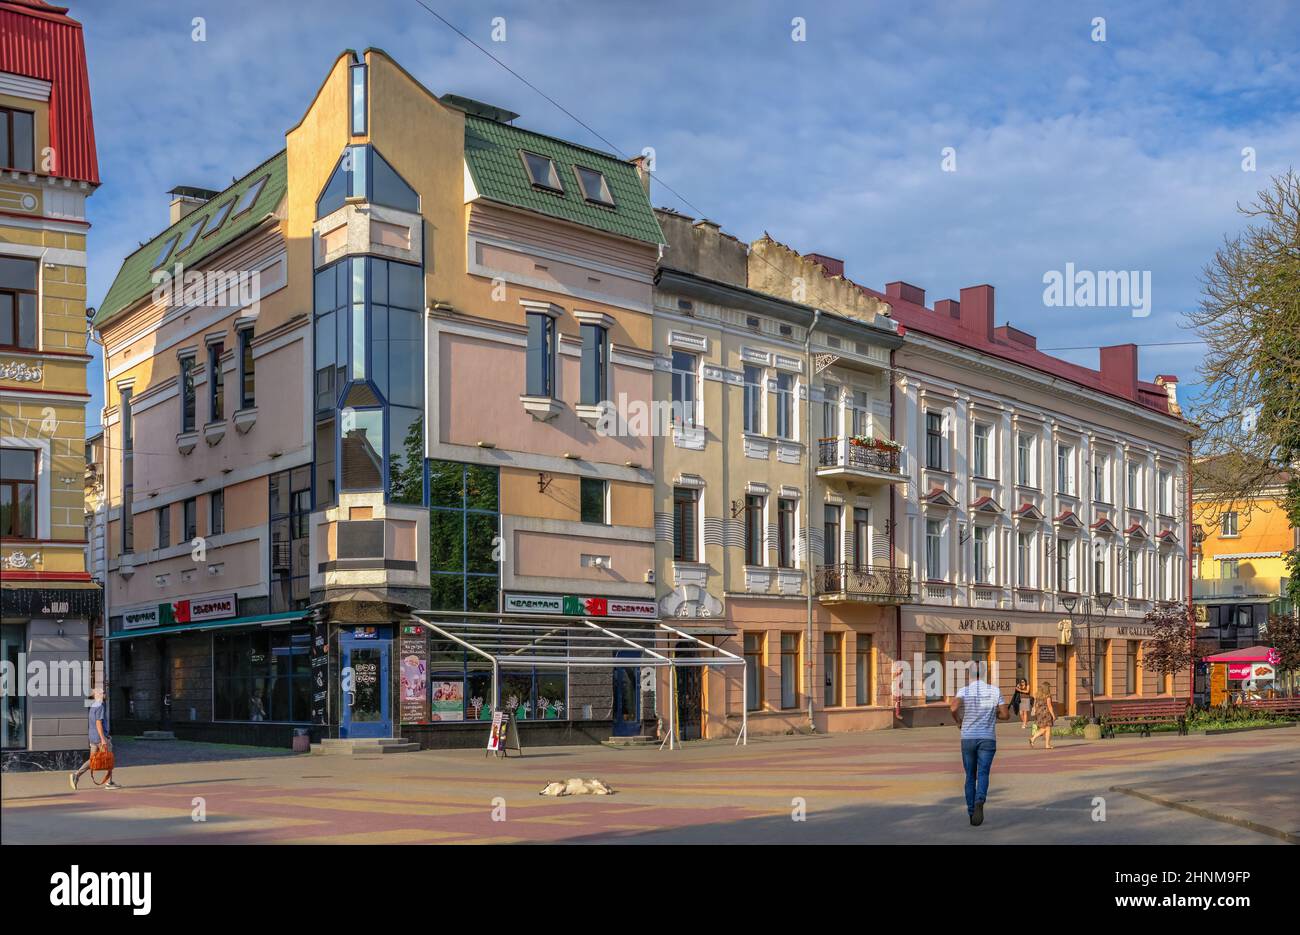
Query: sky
point(944, 144)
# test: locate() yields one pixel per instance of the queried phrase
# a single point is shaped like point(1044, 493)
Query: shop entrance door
point(627, 700)
point(690, 701)
point(364, 686)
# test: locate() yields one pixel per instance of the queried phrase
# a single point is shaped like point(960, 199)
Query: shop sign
point(319, 667)
point(365, 633)
point(211, 608)
point(137, 619)
point(413, 653)
point(576, 606)
point(1246, 671)
point(1143, 632)
point(985, 626)
point(1047, 653)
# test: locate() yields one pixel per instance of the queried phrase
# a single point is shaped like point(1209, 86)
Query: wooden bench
point(1145, 714)
point(1284, 707)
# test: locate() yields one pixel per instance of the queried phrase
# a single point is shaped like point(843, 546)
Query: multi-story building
point(1038, 489)
point(363, 381)
point(48, 170)
point(773, 484)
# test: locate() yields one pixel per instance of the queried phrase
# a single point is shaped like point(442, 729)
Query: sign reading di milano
point(197, 610)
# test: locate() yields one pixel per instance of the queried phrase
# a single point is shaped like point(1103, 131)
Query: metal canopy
point(522, 641)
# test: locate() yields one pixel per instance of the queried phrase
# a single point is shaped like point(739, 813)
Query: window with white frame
point(784, 405)
point(753, 401)
point(1164, 578)
point(1134, 485)
point(831, 411)
point(1065, 469)
point(1101, 478)
point(1025, 459)
point(982, 552)
point(1134, 572)
point(982, 456)
point(934, 550)
point(1100, 579)
point(1164, 491)
point(1025, 559)
point(540, 368)
point(936, 442)
point(1228, 525)
point(1065, 574)
point(862, 414)
point(684, 377)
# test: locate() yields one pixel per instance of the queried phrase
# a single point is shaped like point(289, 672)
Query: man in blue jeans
point(981, 706)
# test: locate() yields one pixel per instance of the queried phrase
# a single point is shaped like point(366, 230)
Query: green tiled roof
point(134, 281)
point(492, 152)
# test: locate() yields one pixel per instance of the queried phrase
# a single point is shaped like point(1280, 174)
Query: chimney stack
point(186, 199)
point(906, 291)
point(948, 308)
point(1015, 336)
point(977, 311)
point(833, 266)
point(642, 173)
point(1119, 369)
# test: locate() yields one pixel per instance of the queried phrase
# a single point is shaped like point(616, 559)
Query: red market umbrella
point(1249, 654)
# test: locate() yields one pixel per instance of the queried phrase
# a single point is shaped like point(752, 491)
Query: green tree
point(1171, 648)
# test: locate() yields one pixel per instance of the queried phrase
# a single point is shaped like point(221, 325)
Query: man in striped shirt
point(981, 706)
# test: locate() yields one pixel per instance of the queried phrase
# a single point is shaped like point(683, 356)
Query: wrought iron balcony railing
point(843, 453)
point(864, 582)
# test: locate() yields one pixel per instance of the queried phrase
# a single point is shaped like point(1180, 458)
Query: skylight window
point(165, 251)
point(190, 234)
point(218, 217)
point(541, 171)
point(594, 187)
point(249, 197)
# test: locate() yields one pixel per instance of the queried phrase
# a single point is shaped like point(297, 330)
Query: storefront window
point(461, 688)
point(754, 670)
point(982, 656)
point(789, 670)
point(865, 688)
point(463, 528)
point(1025, 660)
point(262, 676)
point(933, 674)
point(13, 703)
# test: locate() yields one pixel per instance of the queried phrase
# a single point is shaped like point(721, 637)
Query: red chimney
point(977, 311)
point(949, 308)
point(906, 292)
point(1119, 369)
point(1015, 335)
point(833, 266)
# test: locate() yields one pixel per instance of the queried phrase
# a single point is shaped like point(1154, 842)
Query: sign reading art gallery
point(985, 626)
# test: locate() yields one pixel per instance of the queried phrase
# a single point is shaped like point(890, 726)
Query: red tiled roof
point(38, 40)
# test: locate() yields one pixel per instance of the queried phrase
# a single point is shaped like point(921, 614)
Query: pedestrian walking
point(100, 741)
point(1022, 702)
point(1046, 715)
point(978, 706)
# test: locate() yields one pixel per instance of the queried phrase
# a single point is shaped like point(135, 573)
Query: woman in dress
point(1022, 702)
point(1046, 715)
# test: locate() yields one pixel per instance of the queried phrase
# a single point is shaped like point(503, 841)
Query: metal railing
point(842, 453)
point(1257, 586)
point(864, 582)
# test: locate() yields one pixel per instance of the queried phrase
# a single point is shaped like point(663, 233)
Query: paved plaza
point(883, 787)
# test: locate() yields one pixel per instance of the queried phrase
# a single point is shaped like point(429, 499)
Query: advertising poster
point(413, 664)
point(448, 699)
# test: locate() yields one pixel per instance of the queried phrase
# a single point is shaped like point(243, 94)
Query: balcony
point(1239, 588)
point(876, 584)
point(845, 459)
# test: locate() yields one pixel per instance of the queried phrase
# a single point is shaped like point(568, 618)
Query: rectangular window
point(683, 388)
point(1100, 474)
point(247, 370)
point(933, 673)
point(595, 365)
point(684, 524)
point(1064, 469)
point(1025, 660)
point(1099, 569)
point(981, 653)
point(753, 400)
point(831, 411)
point(1024, 460)
point(831, 535)
point(785, 533)
point(1065, 565)
point(263, 675)
point(1163, 492)
point(18, 493)
point(216, 512)
point(982, 466)
point(128, 470)
point(188, 405)
point(832, 669)
point(190, 519)
point(1131, 668)
point(164, 537)
point(464, 519)
point(541, 172)
point(934, 550)
point(594, 187)
point(358, 93)
point(1134, 487)
point(754, 670)
point(1162, 581)
point(1134, 574)
point(934, 441)
point(595, 500)
point(981, 550)
point(784, 405)
point(755, 549)
point(1100, 667)
point(866, 692)
point(18, 306)
point(1228, 525)
point(17, 139)
point(541, 355)
point(1024, 559)
point(789, 670)
point(216, 383)
point(290, 515)
point(861, 538)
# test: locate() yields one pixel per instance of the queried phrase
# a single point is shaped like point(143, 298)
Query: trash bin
point(301, 742)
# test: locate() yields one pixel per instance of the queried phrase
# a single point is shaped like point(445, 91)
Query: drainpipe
point(893, 527)
point(1191, 607)
point(98, 338)
point(808, 641)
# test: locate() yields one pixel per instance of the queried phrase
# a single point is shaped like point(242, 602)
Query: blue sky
point(1117, 155)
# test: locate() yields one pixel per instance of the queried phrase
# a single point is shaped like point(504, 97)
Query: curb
point(1288, 836)
point(1241, 730)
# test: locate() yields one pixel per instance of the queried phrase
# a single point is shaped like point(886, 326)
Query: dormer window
point(541, 172)
point(594, 187)
point(218, 218)
point(165, 251)
point(17, 139)
point(189, 237)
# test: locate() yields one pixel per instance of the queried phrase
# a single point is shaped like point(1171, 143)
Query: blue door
point(365, 684)
point(627, 700)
